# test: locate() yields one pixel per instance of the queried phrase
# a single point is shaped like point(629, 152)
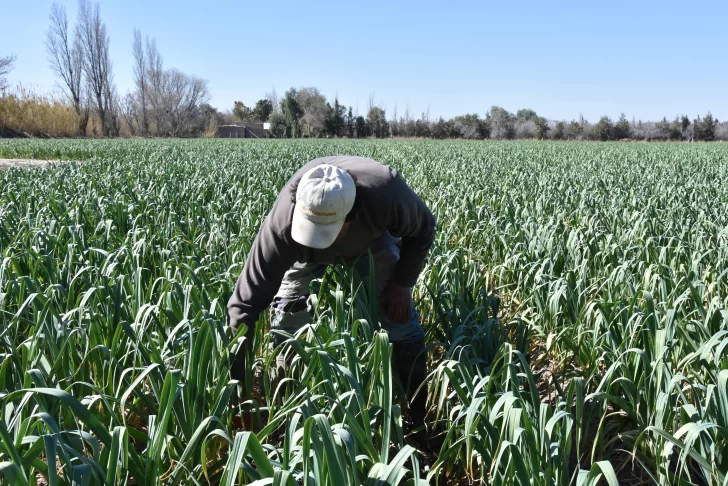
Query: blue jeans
point(289, 313)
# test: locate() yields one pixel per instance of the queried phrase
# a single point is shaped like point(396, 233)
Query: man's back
point(374, 185)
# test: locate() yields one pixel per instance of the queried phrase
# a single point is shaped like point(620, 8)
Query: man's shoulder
point(369, 173)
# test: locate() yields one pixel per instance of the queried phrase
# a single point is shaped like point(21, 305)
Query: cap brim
point(314, 235)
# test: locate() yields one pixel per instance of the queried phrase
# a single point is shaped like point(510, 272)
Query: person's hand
point(395, 301)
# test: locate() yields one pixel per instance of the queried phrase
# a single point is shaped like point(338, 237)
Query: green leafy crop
point(607, 363)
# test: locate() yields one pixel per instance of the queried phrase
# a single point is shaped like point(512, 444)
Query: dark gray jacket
point(384, 202)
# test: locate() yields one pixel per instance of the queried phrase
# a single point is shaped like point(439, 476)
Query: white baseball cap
point(324, 197)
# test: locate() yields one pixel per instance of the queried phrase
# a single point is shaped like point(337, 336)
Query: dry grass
point(27, 110)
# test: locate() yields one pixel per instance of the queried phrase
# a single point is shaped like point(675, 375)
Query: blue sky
point(646, 58)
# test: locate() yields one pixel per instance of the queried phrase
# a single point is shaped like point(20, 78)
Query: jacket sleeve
point(270, 257)
point(411, 220)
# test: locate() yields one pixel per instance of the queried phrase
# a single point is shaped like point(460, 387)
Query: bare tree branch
point(65, 58)
point(6, 65)
point(127, 109)
point(273, 98)
point(140, 79)
point(97, 65)
point(154, 79)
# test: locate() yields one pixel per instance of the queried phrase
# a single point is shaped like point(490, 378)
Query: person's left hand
point(395, 301)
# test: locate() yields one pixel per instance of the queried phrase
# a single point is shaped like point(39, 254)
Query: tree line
point(166, 102)
point(305, 112)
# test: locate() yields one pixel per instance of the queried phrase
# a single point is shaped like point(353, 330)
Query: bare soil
point(25, 163)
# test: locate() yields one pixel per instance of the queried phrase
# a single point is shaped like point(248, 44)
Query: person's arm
point(270, 257)
point(411, 220)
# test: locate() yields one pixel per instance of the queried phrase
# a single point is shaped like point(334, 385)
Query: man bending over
point(339, 208)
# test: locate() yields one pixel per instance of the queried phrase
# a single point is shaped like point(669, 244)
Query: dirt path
point(25, 163)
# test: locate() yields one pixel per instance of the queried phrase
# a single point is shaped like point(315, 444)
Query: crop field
point(606, 364)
